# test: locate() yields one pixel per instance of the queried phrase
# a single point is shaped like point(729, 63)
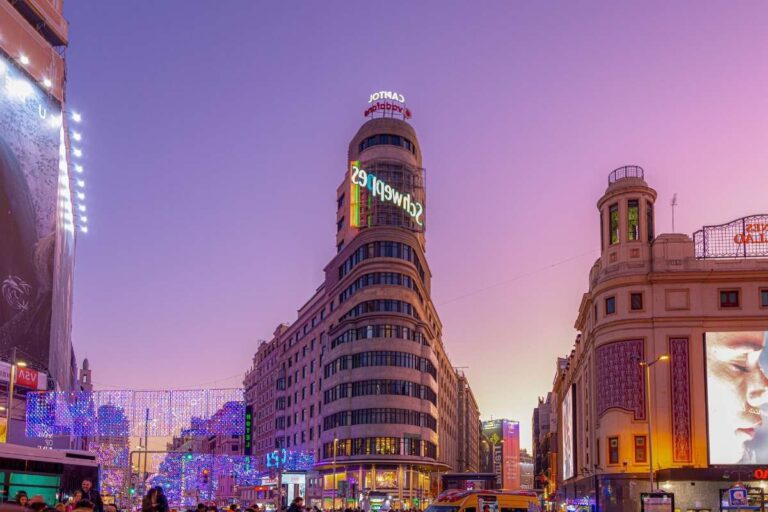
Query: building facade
point(692, 314)
point(469, 428)
point(545, 446)
point(360, 383)
point(526, 470)
point(37, 227)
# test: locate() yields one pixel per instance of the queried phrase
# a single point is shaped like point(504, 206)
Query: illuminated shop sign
point(384, 192)
point(761, 474)
point(386, 95)
point(742, 238)
point(387, 104)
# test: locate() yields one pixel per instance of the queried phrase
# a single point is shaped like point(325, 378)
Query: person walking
point(297, 505)
point(155, 501)
point(92, 495)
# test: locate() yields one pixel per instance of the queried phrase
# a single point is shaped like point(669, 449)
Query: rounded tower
point(626, 217)
point(384, 351)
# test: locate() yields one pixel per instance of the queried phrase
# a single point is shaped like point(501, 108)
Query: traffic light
point(188, 456)
point(132, 491)
point(205, 476)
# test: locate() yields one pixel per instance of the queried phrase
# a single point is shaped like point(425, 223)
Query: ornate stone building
point(695, 311)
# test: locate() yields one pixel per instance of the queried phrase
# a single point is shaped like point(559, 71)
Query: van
point(486, 501)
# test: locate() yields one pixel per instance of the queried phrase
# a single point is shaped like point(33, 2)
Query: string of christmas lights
point(129, 413)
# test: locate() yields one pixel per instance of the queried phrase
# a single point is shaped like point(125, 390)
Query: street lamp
point(14, 365)
point(647, 365)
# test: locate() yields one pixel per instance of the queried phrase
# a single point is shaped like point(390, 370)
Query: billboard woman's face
point(736, 387)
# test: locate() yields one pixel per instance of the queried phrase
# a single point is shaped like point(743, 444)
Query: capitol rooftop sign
point(746, 237)
point(387, 104)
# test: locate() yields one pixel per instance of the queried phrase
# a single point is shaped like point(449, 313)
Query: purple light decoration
point(123, 413)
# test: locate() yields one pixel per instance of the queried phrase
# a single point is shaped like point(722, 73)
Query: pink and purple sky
point(216, 135)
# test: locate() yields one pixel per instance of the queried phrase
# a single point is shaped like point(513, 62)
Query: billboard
point(566, 427)
point(36, 227)
point(502, 437)
point(737, 397)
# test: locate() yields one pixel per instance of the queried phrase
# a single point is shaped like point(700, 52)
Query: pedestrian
point(84, 506)
point(37, 503)
point(76, 496)
point(155, 501)
point(297, 505)
point(92, 495)
point(21, 498)
point(60, 507)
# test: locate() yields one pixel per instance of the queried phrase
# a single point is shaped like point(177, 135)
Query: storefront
point(376, 487)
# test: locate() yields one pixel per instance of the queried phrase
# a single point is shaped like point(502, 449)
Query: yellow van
point(486, 501)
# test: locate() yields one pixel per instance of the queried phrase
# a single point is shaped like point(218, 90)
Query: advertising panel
point(35, 227)
point(737, 397)
point(566, 424)
point(511, 455)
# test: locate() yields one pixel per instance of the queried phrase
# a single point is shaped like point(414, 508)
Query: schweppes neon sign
point(377, 188)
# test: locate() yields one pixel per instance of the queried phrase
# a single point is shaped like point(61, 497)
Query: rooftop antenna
point(673, 203)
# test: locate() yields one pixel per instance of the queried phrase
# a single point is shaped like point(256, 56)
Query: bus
point(53, 474)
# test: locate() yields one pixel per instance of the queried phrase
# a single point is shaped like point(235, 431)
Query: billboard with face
point(36, 226)
point(737, 397)
point(566, 424)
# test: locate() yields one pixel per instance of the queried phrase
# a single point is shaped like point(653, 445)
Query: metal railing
point(628, 171)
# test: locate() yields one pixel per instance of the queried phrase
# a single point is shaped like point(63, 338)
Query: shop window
point(729, 298)
point(633, 219)
point(610, 305)
point(636, 301)
point(764, 298)
point(613, 220)
point(613, 450)
point(641, 453)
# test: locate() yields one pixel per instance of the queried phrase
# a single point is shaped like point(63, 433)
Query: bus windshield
point(442, 508)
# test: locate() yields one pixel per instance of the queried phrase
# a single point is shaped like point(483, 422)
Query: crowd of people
point(85, 499)
point(88, 499)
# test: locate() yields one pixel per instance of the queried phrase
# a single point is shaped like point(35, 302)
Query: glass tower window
point(613, 219)
point(633, 219)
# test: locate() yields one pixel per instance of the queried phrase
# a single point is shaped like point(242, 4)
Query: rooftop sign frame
point(746, 237)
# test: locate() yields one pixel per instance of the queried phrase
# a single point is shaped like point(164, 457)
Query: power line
point(515, 278)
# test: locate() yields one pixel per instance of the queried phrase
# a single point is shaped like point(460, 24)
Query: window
point(602, 230)
point(633, 219)
point(613, 219)
point(610, 305)
point(641, 455)
point(340, 202)
point(764, 298)
point(649, 220)
point(729, 298)
point(595, 313)
point(613, 450)
point(636, 301)
point(339, 247)
point(339, 225)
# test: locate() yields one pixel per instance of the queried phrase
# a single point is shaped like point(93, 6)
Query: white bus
point(53, 474)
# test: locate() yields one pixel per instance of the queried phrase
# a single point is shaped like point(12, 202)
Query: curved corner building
point(361, 381)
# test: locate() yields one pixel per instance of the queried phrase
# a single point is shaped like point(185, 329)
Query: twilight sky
point(216, 135)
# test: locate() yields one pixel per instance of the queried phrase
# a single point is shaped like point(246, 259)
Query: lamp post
point(647, 365)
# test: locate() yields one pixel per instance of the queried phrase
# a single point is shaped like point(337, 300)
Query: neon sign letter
point(378, 188)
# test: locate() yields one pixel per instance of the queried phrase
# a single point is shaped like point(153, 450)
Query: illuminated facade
point(40, 197)
point(696, 311)
point(361, 380)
